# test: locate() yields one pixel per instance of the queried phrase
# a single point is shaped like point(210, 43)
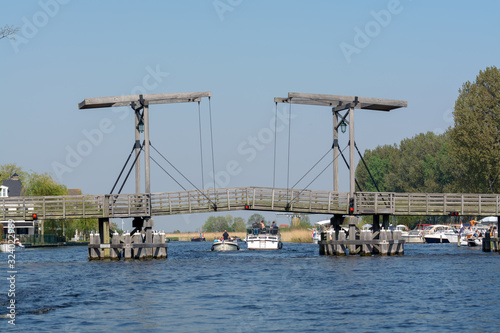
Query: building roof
point(15, 187)
point(74, 191)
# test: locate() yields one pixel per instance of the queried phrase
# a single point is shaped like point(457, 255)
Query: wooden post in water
point(376, 223)
point(366, 248)
point(138, 251)
point(383, 245)
point(487, 242)
point(94, 253)
point(148, 231)
point(104, 234)
point(385, 221)
point(341, 248)
point(115, 251)
point(127, 246)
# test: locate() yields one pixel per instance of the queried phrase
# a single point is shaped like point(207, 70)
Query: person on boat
point(225, 235)
point(255, 227)
point(273, 225)
point(262, 227)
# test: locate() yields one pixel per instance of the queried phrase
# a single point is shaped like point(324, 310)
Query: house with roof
point(13, 188)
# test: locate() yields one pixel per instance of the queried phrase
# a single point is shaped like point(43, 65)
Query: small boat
point(225, 245)
point(264, 239)
point(474, 241)
point(198, 239)
point(472, 234)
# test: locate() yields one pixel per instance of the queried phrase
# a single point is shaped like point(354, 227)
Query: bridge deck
point(256, 198)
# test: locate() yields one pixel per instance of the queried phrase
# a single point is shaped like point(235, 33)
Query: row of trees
point(464, 159)
point(237, 224)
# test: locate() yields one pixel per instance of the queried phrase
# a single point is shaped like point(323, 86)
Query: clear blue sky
point(245, 53)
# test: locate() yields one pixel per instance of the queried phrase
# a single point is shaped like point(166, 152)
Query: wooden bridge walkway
point(241, 198)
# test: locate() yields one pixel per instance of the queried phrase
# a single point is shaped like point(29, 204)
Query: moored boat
point(438, 234)
point(4, 247)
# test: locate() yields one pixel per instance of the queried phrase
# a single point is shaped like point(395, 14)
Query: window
point(3, 191)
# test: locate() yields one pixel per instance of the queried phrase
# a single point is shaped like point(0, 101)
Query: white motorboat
point(264, 239)
point(438, 234)
point(225, 245)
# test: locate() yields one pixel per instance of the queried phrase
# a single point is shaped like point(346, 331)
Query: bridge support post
point(138, 252)
point(116, 253)
point(127, 246)
point(104, 233)
point(383, 239)
point(376, 223)
point(148, 229)
point(385, 222)
point(94, 252)
point(353, 248)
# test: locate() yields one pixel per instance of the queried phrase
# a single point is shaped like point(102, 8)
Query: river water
point(433, 287)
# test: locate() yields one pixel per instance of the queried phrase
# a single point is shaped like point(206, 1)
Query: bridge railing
point(77, 206)
point(427, 203)
point(307, 201)
point(256, 198)
point(185, 202)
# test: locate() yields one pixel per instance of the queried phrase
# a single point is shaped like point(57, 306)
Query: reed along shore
point(289, 236)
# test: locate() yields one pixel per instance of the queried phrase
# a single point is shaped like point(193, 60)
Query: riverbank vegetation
point(287, 235)
point(463, 159)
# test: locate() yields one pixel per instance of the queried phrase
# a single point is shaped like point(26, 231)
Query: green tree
point(7, 170)
point(42, 185)
point(238, 225)
point(475, 137)
point(218, 224)
point(419, 164)
point(382, 163)
point(255, 218)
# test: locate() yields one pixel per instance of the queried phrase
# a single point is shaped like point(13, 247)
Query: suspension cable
point(213, 203)
point(130, 170)
point(201, 146)
point(312, 167)
point(121, 172)
point(312, 181)
point(348, 168)
point(366, 166)
point(275, 128)
point(158, 164)
point(211, 138)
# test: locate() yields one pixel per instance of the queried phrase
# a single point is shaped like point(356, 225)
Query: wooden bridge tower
point(138, 103)
point(349, 104)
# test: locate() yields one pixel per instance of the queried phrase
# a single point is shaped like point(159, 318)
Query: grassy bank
point(292, 236)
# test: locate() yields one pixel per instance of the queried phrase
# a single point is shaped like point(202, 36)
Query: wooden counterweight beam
point(129, 100)
point(342, 102)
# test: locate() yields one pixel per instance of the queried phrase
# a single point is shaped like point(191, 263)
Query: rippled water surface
point(431, 288)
